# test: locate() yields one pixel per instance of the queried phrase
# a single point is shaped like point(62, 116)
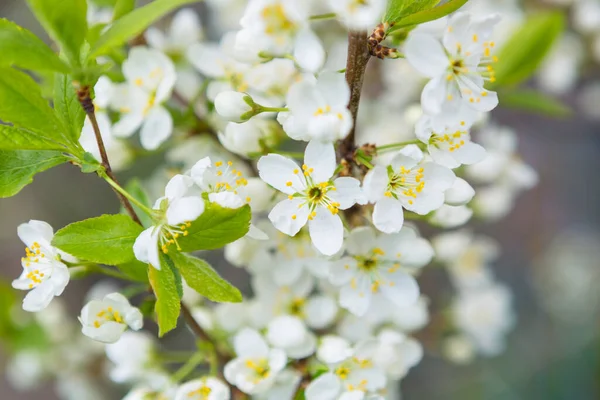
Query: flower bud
point(459, 194)
point(234, 106)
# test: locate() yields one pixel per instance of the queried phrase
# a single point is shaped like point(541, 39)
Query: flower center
point(260, 367)
point(450, 141)
point(296, 307)
point(169, 235)
point(33, 254)
point(108, 315)
point(200, 394)
point(276, 21)
point(405, 183)
point(228, 180)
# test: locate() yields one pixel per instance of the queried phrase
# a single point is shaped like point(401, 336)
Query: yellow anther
point(296, 171)
point(288, 183)
point(218, 163)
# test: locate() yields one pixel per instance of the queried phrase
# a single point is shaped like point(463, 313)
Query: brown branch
point(83, 94)
point(87, 104)
point(358, 58)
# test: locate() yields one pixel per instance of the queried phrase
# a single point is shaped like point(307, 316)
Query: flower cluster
point(264, 125)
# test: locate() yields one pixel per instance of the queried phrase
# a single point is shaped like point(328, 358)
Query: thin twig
point(83, 94)
point(88, 106)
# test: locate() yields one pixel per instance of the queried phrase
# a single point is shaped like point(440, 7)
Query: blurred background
point(550, 253)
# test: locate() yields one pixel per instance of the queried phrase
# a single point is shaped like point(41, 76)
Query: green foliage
point(122, 8)
point(201, 277)
point(133, 24)
point(522, 54)
point(107, 239)
point(168, 307)
point(13, 138)
point(398, 9)
point(22, 105)
point(67, 106)
point(18, 167)
point(22, 48)
point(136, 270)
point(427, 15)
point(89, 164)
point(533, 101)
point(66, 23)
point(216, 227)
point(134, 187)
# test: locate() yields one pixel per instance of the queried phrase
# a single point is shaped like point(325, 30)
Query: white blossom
point(107, 319)
point(359, 14)
point(44, 275)
point(409, 183)
point(312, 195)
point(207, 388)
point(177, 210)
point(458, 66)
point(256, 366)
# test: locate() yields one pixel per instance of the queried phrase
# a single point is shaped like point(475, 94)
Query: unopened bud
point(235, 106)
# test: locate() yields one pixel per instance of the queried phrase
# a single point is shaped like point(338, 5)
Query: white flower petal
point(308, 51)
point(404, 291)
point(278, 171)
point(326, 232)
point(184, 209)
point(289, 216)
point(321, 157)
point(157, 127)
point(325, 387)
point(388, 215)
point(249, 343)
point(426, 54)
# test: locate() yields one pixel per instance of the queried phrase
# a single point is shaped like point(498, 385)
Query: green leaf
point(89, 164)
point(18, 167)
point(168, 307)
point(428, 15)
point(107, 239)
point(22, 105)
point(13, 138)
point(201, 277)
point(522, 54)
point(134, 187)
point(65, 21)
point(22, 48)
point(533, 101)
point(133, 24)
point(67, 106)
point(122, 8)
point(135, 270)
point(398, 9)
point(216, 227)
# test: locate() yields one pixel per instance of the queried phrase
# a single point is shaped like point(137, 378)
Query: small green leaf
point(18, 167)
point(216, 227)
point(428, 15)
point(67, 106)
point(398, 9)
point(65, 21)
point(523, 53)
point(168, 306)
point(201, 277)
point(135, 270)
point(122, 8)
point(107, 239)
point(89, 164)
point(22, 105)
point(22, 48)
point(536, 102)
point(133, 24)
point(134, 187)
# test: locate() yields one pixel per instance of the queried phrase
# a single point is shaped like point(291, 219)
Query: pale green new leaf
point(107, 239)
point(65, 21)
point(168, 306)
point(17, 168)
point(22, 48)
point(523, 53)
point(216, 227)
point(398, 9)
point(122, 8)
point(201, 277)
point(536, 102)
point(133, 24)
point(22, 105)
point(428, 15)
point(67, 106)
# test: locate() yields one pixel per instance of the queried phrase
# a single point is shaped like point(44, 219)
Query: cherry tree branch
point(358, 58)
point(87, 104)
